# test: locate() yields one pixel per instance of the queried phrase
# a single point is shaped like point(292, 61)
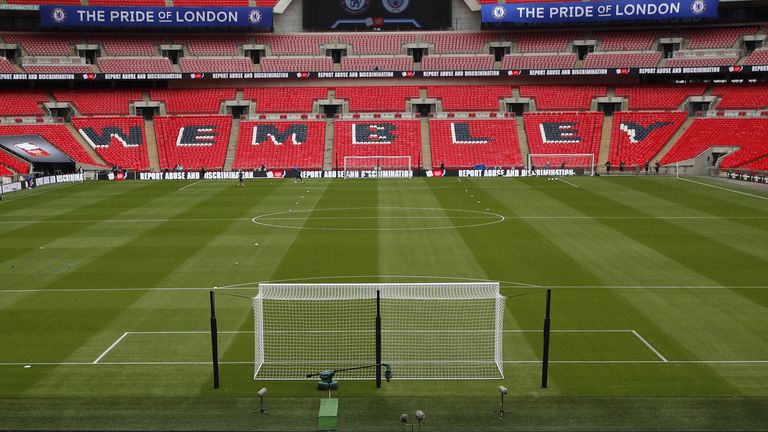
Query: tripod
point(262, 408)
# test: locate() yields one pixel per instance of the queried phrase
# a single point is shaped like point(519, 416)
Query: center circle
point(378, 219)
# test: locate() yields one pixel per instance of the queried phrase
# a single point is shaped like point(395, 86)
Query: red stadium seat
point(56, 134)
point(658, 96)
point(377, 138)
point(281, 145)
point(284, 99)
point(564, 133)
point(470, 98)
point(99, 102)
point(8, 160)
point(379, 98)
point(462, 144)
point(563, 97)
point(748, 96)
point(135, 65)
point(748, 134)
point(120, 141)
point(193, 101)
point(193, 142)
point(638, 137)
point(21, 102)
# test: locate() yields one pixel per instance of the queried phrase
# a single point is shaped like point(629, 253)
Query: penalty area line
point(655, 351)
point(567, 182)
point(724, 188)
point(190, 185)
point(114, 344)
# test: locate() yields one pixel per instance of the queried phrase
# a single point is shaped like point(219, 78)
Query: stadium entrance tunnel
point(379, 219)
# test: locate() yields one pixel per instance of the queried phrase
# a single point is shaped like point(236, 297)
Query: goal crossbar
point(378, 166)
point(429, 331)
point(544, 163)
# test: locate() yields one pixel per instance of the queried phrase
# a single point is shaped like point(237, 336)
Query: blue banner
point(255, 18)
point(597, 11)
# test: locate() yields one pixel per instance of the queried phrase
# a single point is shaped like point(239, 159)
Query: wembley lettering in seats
point(637, 132)
point(196, 136)
point(294, 133)
point(373, 133)
point(461, 134)
point(559, 132)
point(104, 136)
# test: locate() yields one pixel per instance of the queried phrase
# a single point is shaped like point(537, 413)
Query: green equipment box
point(327, 417)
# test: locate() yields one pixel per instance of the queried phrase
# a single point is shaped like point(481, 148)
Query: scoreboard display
point(376, 14)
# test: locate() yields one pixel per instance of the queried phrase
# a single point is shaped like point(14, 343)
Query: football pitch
point(659, 300)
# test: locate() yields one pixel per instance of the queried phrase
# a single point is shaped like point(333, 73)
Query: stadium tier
point(134, 46)
point(11, 162)
point(629, 40)
point(624, 60)
point(577, 97)
point(458, 62)
point(296, 64)
point(284, 99)
point(384, 43)
point(99, 102)
point(464, 143)
point(134, 64)
point(377, 99)
point(456, 43)
point(538, 61)
point(658, 97)
point(748, 96)
point(377, 138)
point(193, 142)
point(280, 145)
point(199, 101)
point(120, 141)
point(370, 63)
point(563, 133)
point(21, 103)
point(470, 98)
point(638, 137)
point(747, 135)
point(216, 64)
point(56, 134)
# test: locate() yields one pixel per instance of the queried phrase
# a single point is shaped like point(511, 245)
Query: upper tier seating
point(451, 42)
point(75, 69)
point(702, 61)
point(638, 137)
point(715, 37)
point(640, 40)
point(135, 65)
point(216, 64)
point(296, 64)
point(56, 134)
point(377, 43)
point(193, 101)
point(295, 44)
point(746, 133)
point(658, 96)
point(377, 138)
point(457, 62)
point(41, 44)
point(463, 143)
point(215, 45)
point(284, 99)
point(564, 133)
point(378, 98)
point(564, 97)
point(21, 102)
point(758, 57)
point(749, 96)
point(622, 60)
point(395, 63)
point(126, 2)
point(470, 98)
point(13, 162)
point(6, 66)
point(99, 102)
point(544, 41)
point(210, 2)
point(281, 145)
point(36, 2)
point(119, 141)
point(135, 45)
point(531, 61)
point(193, 142)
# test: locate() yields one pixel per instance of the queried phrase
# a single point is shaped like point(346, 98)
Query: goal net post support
point(553, 164)
point(428, 331)
point(377, 167)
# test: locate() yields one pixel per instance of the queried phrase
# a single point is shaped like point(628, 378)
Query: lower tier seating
point(281, 145)
point(463, 143)
point(639, 136)
point(747, 134)
point(377, 138)
point(10, 161)
point(193, 142)
point(564, 133)
point(119, 141)
point(56, 134)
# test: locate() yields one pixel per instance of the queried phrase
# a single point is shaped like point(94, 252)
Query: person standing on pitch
point(298, 175)
point(240, 178)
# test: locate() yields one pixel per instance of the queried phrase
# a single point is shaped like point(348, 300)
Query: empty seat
point(193, 100)
point(464, 143)
point(747, 135)
point(119, 141)
point(281, 145)
point(193, 142)
point(639, 136)
point(470, 98)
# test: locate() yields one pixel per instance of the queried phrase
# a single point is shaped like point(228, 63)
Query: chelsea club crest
point(499, 12)
point(355, 7)
point(58, 15)
point(254, 16)
point(698, 7)
point(395, 6)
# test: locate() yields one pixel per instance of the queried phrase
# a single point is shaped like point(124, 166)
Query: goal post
point(377, 167)
point(428, 331)
point(548, 164)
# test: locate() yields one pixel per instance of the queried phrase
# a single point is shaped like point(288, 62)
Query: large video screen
point(370, 14)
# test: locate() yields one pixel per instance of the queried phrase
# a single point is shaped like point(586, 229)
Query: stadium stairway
point(79, 138)
point(522, 139)
point(426, 148)
point(154, 158)
point(673, 141)
point(328, 150)
point(234, 133)
point(605, 142)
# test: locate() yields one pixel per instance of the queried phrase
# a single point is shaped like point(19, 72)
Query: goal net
point(573, 164)
point(377, 167)
point(429, 331)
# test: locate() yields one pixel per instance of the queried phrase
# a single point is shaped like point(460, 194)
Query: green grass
point(678, 270)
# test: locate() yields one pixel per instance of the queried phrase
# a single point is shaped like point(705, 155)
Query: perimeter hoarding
point(598, 11)
point(254, 18)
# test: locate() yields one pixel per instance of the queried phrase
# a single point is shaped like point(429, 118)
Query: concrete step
point(426, 147)
point(234, 134)
point(328, 152)
point(154, 155)
point(73, 131)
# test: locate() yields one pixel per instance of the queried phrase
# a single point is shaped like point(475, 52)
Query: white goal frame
point(375, 169)
point(555, 161)
point(428, 330)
